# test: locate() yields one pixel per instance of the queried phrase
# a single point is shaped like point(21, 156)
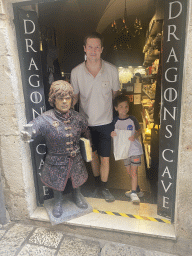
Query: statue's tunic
point(63, 159)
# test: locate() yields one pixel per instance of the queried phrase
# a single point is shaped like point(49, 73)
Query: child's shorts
point(133, 160)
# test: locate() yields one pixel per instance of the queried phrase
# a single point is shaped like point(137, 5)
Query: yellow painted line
point(166, 221)
point(152, 219)
point(145, 218)
point(132, 216)
point(96, 211)
point(124, 215)
point(110, 213)
point(138, 217)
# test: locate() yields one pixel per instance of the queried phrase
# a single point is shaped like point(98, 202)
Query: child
point(125, 122)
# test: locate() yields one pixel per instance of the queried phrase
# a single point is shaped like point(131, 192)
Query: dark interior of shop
point(70, 21)
point(64, 24)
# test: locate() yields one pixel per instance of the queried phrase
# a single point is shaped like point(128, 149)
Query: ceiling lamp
point(133, 29)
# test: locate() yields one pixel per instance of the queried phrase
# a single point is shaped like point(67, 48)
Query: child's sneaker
point(139, 194)
point(134, 198)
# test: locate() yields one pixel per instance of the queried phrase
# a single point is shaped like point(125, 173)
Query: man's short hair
point(59, 88)
point(94, 35)
point(120, 98)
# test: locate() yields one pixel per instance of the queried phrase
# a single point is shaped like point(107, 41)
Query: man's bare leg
point(95, 164)
point(104, 168)
point(104, 171)
point(101, 170)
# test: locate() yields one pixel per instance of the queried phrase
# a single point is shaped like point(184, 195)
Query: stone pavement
point(30, 240)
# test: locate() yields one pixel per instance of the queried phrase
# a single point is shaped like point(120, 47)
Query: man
point(95, 83)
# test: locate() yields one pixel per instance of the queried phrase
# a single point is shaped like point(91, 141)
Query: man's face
point(63, 104)
point(93, 49)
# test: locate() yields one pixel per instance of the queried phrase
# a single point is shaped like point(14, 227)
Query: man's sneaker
point(134, 198)
point(107, 195)
point(95, 192)
point(139, 194)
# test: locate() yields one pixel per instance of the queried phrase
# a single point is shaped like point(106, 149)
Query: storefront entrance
point(157, 102)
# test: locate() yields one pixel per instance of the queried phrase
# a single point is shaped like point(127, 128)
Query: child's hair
point(120, 98)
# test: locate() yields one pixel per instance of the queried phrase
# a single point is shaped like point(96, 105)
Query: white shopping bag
point(121, 144)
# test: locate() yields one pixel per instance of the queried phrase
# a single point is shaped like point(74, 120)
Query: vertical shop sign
point(173, 57)
point(28, 37)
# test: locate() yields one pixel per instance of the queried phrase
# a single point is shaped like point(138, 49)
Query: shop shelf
point(150, 96)
point(144, 122)
point(157, 40)
point(150, 120)
point(149, 76)
point(146, 153)
point(147, 156)
point(156, 28)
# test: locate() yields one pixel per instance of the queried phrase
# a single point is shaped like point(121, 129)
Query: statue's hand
point(25, 136)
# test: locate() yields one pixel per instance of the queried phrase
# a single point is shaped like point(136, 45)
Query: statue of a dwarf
point(62, 128)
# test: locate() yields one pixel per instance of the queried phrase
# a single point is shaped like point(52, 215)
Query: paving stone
point(72, 246)
point(7, 225)
point(13, 239)
point(126, 250)
point(34, 250)
point(2, 232)
point(46, 237)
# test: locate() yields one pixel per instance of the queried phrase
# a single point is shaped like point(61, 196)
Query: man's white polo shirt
point(96, 92)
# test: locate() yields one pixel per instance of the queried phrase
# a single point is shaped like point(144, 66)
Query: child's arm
point(113, 134)
point(136, 135)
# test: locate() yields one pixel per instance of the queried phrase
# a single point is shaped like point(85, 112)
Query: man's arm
point(115, 93)
point(75, 99)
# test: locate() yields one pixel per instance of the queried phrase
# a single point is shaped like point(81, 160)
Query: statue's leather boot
point(57, 208)
point(79, 199)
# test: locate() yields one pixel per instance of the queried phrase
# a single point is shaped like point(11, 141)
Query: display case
point(151, 97)
point(148, 122)
point(153, 43)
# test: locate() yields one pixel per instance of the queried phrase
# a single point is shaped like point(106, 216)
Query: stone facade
point(183, 212)
point(18, 184)
point(15, 161)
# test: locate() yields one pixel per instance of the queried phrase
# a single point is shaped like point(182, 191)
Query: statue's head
point(60, 89)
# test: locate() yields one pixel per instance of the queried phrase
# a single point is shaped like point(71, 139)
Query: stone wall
point(18, 183)
point(183, 218)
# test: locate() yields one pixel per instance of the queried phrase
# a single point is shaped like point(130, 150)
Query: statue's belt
point(73, 153)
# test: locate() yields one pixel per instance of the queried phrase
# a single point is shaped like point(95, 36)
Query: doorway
point(71, 54)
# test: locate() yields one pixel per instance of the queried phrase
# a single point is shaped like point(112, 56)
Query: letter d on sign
point(170, 9)
point(25, 26)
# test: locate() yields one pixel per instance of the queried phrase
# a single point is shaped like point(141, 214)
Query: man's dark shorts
point(101, 139)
